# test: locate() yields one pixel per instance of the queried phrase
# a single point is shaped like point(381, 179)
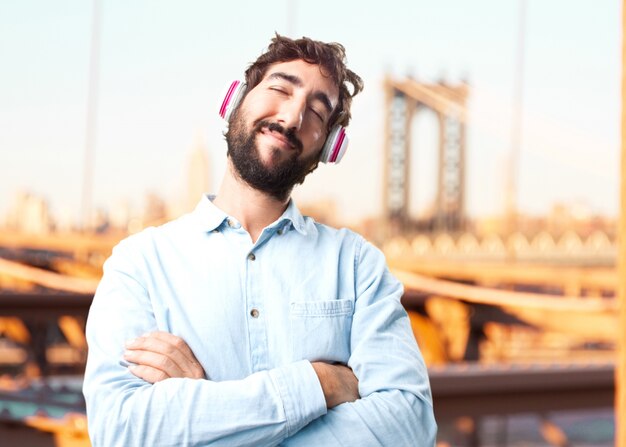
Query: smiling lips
point(279, 139)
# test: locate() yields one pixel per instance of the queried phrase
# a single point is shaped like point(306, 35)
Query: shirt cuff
point(301, 393)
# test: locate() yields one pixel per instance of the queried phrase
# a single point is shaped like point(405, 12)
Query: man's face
point(276, 135)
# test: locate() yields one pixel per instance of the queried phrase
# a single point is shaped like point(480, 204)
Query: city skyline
point(159, 90)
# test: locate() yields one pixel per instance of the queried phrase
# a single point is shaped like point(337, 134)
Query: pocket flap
point(322, 308)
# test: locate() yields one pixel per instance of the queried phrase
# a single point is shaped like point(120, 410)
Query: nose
point(291, 113)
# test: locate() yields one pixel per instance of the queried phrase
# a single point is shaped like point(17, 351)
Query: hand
point(338, 382)
point(160, 355)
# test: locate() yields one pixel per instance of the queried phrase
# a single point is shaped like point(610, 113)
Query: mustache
point(275, 127)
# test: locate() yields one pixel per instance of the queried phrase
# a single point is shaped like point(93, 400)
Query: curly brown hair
point(331, 57)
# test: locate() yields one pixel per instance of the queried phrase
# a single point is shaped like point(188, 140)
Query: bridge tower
point(404, 98)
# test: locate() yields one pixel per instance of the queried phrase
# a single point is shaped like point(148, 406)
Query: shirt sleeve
point(123, 410)
point(395, 408)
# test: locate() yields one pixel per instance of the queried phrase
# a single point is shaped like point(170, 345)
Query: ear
point(233, 96)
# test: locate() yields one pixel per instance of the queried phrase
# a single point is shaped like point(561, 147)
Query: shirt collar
point(209, 216)
point(292, 214)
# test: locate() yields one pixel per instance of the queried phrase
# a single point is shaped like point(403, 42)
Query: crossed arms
point(160, 355)
point(381, 397)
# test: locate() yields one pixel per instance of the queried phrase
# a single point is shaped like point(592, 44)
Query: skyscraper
point(30, 214)
point(198, 177)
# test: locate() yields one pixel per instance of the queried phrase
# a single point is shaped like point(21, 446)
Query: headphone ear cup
point(232, 98)
point(335, 145)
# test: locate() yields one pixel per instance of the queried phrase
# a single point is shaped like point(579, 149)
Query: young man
point(245, 323)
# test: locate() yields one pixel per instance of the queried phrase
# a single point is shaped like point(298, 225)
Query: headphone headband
point(336, 142)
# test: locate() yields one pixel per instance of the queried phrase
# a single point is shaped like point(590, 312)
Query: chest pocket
point(320, 330)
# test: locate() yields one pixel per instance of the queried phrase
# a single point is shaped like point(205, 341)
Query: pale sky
point(164, 66)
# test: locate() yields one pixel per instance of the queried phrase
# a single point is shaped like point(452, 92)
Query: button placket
point(256, 324)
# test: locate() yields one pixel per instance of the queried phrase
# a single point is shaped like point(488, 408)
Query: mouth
point(278, 139)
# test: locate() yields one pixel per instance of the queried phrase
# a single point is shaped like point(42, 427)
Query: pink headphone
point(336, 141)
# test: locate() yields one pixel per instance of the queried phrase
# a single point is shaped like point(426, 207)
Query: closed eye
point(279, 90)
point(317, 114)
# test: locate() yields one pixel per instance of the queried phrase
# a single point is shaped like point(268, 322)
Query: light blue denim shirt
point(255, 315)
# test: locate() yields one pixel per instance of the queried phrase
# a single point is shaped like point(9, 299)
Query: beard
point(277, 179)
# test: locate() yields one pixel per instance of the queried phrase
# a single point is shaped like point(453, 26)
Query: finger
point(179, 350)
point(175, 341)
point(147, 373)
point(172, 346)
point(154, 360)
point(157, 346)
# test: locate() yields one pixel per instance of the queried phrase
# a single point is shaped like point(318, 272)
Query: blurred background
point(484, 161)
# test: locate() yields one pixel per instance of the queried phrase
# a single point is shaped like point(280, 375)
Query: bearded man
point(245, 322)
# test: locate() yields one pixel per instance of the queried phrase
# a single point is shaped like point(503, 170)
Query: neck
point(254, 209)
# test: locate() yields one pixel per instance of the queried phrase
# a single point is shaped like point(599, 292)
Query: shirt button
point(215, 231)
point(254, 313)
point(251, 257)
point(231, 222)
point(280, 231)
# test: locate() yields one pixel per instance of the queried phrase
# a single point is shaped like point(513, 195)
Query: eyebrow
point(295, 80)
